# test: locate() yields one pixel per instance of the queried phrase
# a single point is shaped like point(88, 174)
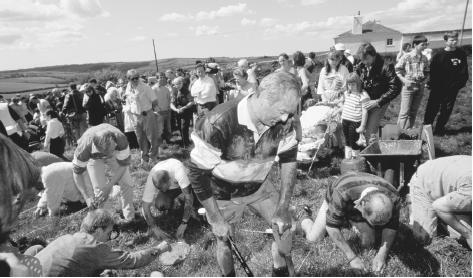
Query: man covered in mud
point(236, 146)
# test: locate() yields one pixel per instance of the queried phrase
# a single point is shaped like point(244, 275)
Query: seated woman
point(54, 140)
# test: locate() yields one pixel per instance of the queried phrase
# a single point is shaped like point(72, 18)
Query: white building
point(385, 39)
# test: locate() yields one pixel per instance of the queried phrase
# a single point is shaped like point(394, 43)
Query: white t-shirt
point(177, 172)
point(204, 90)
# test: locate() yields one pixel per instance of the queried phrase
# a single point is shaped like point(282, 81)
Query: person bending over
point(59, 186)
point(236, 146)
point(441, 188)
point(166, 181)
point(369, 204)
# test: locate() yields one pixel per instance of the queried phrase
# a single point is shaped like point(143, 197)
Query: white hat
point(339, 46)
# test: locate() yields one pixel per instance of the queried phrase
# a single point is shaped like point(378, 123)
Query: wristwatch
point(185, 222)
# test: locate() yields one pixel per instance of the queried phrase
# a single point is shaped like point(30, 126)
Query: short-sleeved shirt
point(352, 107)
point(86, 148)
point(204, 90)
point(438, 177)
point(348, 188)
point(59, 186)
point(237, 157)
point(140, 98)
point(177, 172)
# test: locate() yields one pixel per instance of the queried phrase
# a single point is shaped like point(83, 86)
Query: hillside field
point(443, 257)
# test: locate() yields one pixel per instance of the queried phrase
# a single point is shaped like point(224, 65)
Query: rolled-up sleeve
point(81, 157)
point(123, 150)
point(204, 157)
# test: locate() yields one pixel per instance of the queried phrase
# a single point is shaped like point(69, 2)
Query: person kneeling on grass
point(86, 253)
point(166, 181)
point(441, 188)
point(59, 186)
point(369, 204)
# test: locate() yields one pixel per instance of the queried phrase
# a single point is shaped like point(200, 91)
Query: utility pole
point(463, 25)
point(155, 58)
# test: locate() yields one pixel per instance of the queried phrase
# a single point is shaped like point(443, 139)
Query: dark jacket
point(73, 103)
point(96, 109)
point(381, 81)
point(448, 70)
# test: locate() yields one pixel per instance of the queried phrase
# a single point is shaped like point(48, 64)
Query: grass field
point(443, 257)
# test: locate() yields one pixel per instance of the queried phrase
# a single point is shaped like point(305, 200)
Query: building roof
point(434, 32)
point(369, 25)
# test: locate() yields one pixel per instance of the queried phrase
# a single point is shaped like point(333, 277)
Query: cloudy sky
point(53, 32)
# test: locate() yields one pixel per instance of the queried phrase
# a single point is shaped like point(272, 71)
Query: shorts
point(264, 202)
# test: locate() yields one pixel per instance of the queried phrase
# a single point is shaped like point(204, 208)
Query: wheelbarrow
point(389, 157)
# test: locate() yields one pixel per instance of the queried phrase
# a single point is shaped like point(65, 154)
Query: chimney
point(357, 24)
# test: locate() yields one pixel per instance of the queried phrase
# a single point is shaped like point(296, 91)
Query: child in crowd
point(54, 140)
point(354, 115)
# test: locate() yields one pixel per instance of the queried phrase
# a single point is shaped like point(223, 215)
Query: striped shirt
point(348, 188)
point(352, 107)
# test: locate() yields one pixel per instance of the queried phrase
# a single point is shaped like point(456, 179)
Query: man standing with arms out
point(100, 145)
point(142, 100)
point(369, 204)
point(236, 146)
point(166, 181)
point(86, 253)
point(163, 108)
point(441, 188)
point(448, 74)
point(204, 91)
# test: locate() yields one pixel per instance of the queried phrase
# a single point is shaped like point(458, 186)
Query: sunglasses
point(134, 78)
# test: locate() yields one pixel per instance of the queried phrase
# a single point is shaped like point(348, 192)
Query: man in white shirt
point(166, 181)
point(204, 91)
point(141, 99)
point(59, 186)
